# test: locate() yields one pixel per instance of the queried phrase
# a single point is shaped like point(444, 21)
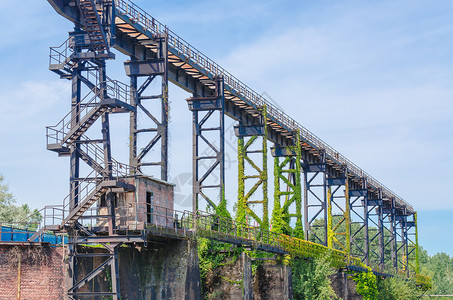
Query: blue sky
point(371, 78)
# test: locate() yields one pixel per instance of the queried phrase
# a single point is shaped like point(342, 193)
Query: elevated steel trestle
point(319, 196)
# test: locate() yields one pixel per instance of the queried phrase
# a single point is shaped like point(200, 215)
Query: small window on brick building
point(149, 209)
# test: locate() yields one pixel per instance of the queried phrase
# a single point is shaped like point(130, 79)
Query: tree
point(311, 278)
point(9, 212)
point(440, 268)
point(398, 288)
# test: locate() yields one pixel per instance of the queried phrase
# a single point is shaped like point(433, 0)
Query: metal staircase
point(93, 23)
point(111, 95)
point(81, 59)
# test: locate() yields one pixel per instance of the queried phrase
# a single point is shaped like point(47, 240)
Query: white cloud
point(29, 99)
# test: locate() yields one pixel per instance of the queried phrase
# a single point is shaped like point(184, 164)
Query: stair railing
point(60, 55)
point(82, 190)
point(56, 134)
point(117, 90)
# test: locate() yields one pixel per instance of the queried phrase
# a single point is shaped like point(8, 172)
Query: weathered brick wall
point(135, 204)
point(133, 211)
point(41, 272)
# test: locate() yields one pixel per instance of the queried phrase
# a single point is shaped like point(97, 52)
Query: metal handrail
point(59, 55)
point(58, 132)
point(192, 55)
point(113, 89)
point(138, 215)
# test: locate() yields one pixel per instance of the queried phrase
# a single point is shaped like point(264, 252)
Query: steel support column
point(417, 248)
point(361, 209)
point(75, 156)
point(204, 165)
point(401, 241)
point(338, 212)
point(381, 230)
point(247, 136)
point(288, 173)
point(315, 200)
point(150, 70)
point(390, 231)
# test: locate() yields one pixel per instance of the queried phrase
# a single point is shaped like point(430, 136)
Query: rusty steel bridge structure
point(321, 200)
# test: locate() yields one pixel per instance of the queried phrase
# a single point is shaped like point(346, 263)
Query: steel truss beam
point(215, 159)
point(288, 173)
point(150, 69)
point(315, 200)
point(339, 224)
point(247, 136)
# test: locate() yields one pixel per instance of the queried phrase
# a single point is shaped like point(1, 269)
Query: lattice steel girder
point(417, 249)
point(247, 136)
point(402, 240)
point(339, 225)
point(315, 199)
point(390, 231)
point(110, 262)
point(150, 69)
point(288, 172)
point(360, 208)
point(372, 205)
point(215, 156)
point(413, 264)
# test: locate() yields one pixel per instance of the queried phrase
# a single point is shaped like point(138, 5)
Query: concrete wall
point(272, 281)
point(233, 280)
point(344, 287)
point(226, 281)
point(169, 271)
point(41, 274)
